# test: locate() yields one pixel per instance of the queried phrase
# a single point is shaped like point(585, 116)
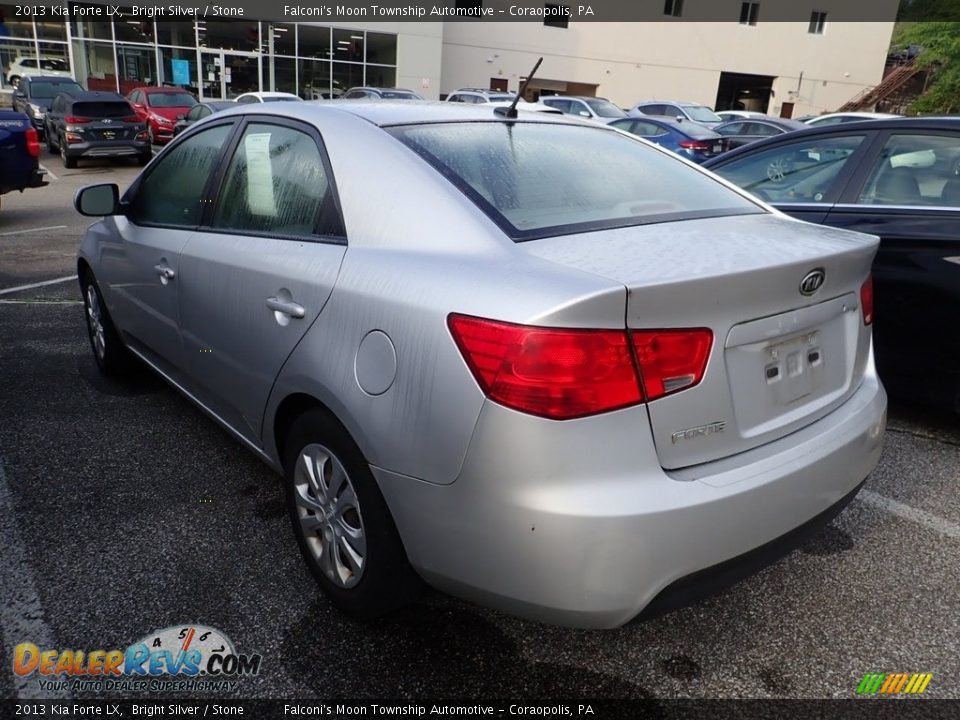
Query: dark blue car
point(19, 153)
point(689, 139)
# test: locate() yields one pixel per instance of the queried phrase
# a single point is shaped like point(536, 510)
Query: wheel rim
point(63, 151)
point(95, 323)
point(329, 515)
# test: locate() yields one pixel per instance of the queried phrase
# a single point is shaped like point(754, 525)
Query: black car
point(745, 131)
point(199, 112)
point(96, 125)
point(898, 179)
point(34, 95)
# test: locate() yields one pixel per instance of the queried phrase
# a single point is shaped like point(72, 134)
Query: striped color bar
point(894, 683)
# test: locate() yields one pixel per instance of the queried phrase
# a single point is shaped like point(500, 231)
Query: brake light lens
point(561, 373)
point(671, 360)
point(130, 119)
point(76, 120)
point(694, 145)
point(33, 142)
point(554, 373)
point(866, 300)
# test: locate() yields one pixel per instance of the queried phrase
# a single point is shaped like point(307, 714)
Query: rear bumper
point(126, 148)
point(38, 178)
point(576, 523)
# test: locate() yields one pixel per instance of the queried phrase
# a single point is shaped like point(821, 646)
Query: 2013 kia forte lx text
point(535, 362)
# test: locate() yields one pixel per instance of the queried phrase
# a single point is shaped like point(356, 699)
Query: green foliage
point(941, 52)
point(928, 10)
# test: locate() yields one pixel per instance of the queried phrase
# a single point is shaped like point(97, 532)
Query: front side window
point(731, 129)
point(801, 172)
point(539, 179)
point(915, 170)
point(172, 193)
point(277, 183)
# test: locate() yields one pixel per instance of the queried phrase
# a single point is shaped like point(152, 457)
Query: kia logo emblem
point(812, 281)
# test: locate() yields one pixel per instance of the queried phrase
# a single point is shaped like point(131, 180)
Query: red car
point(160, 108)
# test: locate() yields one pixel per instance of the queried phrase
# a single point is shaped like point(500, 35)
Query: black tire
point(68, 162)
point(385, 581)
point(51, 145)
point(142, 160)
point(112, 357)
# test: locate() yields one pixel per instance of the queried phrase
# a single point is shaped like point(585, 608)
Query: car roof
point(219, 103)
point(153, 89)
point(385, 113)
point(92, 95)
point(691, 129)
point(266, 93)
point(680, 103)
point(903, 123)
point(779, 122)
point(47, 78)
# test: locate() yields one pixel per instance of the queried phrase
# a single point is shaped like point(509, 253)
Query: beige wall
point(680, 60)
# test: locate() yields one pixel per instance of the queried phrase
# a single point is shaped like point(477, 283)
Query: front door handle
point(286, 307)
point(165, 272)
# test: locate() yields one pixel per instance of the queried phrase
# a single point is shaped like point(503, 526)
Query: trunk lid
point(780, 359)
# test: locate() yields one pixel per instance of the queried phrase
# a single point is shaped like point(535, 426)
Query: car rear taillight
point(33, 142)
point(695, 145)
point(76, 120)
point(561, 373)
point(866, 300)
point(130, 119)
point(555, 373)
point(671, 360)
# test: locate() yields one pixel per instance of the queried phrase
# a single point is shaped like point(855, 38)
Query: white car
point(29, 67)
point(263, 97)
point(524, 105)
point(844, 117)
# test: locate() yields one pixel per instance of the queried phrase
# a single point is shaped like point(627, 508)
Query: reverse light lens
point(866, 300)
point(671, 360)
point(555, 373)
point(33, 142)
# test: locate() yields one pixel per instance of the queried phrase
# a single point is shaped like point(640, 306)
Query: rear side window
point(277, 183)
point(103, 109)
point(172, 194)
point(915, 170)
point(538, 179)
point(795, 173)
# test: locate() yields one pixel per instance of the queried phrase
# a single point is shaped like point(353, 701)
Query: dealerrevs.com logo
point(184, 658)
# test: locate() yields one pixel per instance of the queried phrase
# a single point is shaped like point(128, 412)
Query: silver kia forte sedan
point(536, 363)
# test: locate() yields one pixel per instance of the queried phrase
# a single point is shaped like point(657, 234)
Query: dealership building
point(788, 68)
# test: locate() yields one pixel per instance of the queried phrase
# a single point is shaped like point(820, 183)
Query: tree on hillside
point(941, 53)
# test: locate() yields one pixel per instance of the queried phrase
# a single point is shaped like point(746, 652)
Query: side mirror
point(680, 118)
point(583, 113)
point(98, 200)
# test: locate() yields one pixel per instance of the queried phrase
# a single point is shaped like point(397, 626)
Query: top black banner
point(559, 13)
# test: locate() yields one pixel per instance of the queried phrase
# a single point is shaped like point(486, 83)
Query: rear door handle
point(165, 272)
point(287, 307)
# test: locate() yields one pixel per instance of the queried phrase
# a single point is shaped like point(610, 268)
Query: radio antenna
point(511, 112)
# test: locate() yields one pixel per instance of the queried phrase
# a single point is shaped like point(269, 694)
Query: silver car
point(536, 362)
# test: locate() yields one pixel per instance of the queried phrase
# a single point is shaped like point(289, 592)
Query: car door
point(141, 259)
point(259, 272)
point(802, 178)
point(908, 193)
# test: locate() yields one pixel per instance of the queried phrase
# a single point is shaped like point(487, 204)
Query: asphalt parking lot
point(124, 510)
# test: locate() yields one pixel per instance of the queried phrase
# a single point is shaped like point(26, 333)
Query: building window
point(556, 15)
point(817, 21)
point(673, 8)
point(748, 13)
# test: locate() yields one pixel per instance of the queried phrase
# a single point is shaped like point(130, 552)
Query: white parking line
point(49, 173)
point(65, 278)
point(921, 517)
point(30, 230)
point(41, 302)
point(21, 612)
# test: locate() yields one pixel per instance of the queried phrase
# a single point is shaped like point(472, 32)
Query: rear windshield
point(605, 109)
point(166, 100)
point(538, 179)
point(701, 113)
point(105, 109)
point(53, 64)
point(44, 90)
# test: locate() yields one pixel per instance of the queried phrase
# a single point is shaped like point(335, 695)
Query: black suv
point(34, 95)
point(96, 125)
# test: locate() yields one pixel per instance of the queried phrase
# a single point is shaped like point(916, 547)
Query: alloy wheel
point(95, 323)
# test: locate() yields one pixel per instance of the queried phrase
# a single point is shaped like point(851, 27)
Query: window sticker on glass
point(260, 199)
